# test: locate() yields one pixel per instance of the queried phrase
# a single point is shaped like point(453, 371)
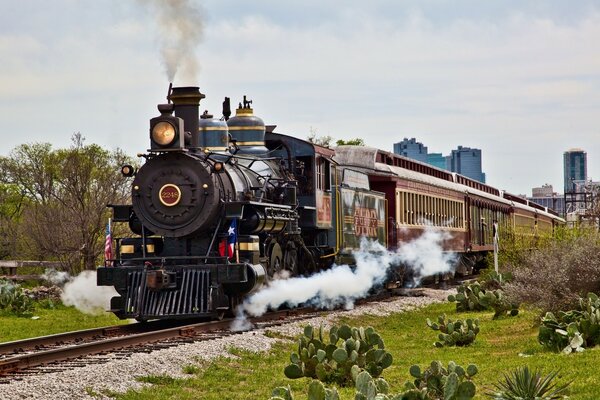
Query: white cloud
point(503, 83)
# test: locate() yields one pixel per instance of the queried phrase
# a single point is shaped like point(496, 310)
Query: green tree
point(351, 142)
point(11, 205)
point(65, 193)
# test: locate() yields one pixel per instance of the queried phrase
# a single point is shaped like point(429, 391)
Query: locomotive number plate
point(169, 195)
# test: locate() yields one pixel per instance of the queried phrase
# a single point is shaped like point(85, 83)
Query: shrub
point(14, 301)
point(359, 349)
point(454, 332)
point(522, 384)
point(554, 277)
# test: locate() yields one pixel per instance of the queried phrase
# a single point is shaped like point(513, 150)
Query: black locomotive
point(215, 212)
point(222, 205)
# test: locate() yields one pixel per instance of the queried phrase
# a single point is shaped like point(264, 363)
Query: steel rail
point(24, 361)
point(23, 345)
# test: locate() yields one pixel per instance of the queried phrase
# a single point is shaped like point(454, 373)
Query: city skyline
point(517, 79)
point(463, 160)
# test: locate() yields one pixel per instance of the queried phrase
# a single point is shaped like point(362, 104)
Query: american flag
point(227, 245)
point(108, 244)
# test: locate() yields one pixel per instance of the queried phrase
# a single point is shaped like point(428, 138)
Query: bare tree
point(324, 141)
point(67, 191)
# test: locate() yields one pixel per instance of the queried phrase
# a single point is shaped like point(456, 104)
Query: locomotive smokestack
point(186, 101)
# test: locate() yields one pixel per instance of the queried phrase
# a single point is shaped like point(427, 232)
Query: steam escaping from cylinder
point(82, 292)
point(343, 285)
point(180, 27)
point(57, 278)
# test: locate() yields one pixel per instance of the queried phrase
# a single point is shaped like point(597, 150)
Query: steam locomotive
point(223, 205)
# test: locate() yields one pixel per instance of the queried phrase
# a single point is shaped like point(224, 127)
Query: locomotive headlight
point(163, 133)
point(127, 170)
point(218, 166)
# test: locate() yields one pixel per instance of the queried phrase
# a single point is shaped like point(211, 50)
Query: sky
point(518, 79)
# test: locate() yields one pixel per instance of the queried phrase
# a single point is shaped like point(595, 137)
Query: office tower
point(437, 160)
point(466, 161)
point(575, 169)
point(412, 149)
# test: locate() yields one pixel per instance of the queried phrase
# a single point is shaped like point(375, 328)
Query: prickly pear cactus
point(316, 391)
point(369, 388)
point(574, 330)
point(348, 351)
point(452, 383)
point(454, 332)
point(467, 298)
point(282, 393)
point(486, 295)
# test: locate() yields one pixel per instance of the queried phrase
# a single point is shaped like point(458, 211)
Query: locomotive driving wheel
point(275, 261)
point(283, 263)
point(290, 259)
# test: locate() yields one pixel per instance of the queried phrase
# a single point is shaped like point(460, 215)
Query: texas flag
point(227, 245)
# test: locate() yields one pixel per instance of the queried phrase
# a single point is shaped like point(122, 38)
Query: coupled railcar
point(223, 205)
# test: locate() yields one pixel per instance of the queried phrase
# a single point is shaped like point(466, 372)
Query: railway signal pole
point(496, 246)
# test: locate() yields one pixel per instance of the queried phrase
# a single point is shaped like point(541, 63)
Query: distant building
point(466, 161)
point(545, 196)
point(412, 149)
point(575, 169)
point(437, 160)
point(544, 191)
point(555, 202)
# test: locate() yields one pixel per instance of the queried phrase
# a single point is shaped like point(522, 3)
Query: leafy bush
point(522, 384)
point(452, 383)
point(14, 301)
point(454, 332)
point(359, 349)
point(571, 331)
point(553, 278)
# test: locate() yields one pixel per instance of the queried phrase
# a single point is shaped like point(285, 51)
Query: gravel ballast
point(119, 374)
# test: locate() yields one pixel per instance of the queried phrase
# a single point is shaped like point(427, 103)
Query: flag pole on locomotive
point(227, 246)
point(108, 253)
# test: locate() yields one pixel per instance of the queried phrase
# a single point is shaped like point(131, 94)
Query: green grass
point(502, 345)
point(57, 320)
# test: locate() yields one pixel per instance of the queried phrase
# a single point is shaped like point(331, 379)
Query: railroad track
point(65, 350)
point(27, 356)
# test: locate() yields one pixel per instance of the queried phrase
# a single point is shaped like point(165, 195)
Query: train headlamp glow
point(218, 166)
point(127, 170)
point(163, 133)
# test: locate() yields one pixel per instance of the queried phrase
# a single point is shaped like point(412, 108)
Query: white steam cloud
point(83, 293)
point(180, 28)
point(342, 285)
point(57, 278)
